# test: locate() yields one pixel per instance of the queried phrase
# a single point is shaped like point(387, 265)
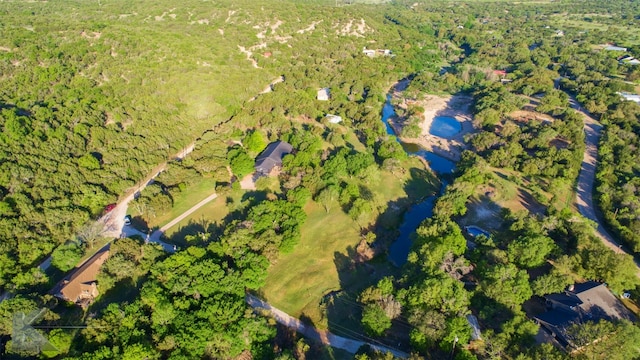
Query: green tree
point(89, 162)
point(374, 320)
point(530, 250)
point(67, 256)
point(255, 142)
point(507, 285)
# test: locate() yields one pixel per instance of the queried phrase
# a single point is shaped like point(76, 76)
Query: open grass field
point(298, 281)
point(586, 22)
point(213, 212)
point(183, 202)
point(322, 261)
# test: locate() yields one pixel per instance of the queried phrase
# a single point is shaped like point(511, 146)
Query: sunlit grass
point(298, 281)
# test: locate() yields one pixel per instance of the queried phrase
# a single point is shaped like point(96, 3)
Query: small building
point(333, 119)
point(271, 157)
point(475, 327)
point(80, 286)
point(369, 52)
point(615, 48)
point(629, 60)
point(589, 301)
point(630, 97)
point(377, 52)
point(324, 94)
point(500, 73)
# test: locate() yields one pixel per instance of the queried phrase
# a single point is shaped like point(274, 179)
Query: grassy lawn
point(212, 212)
point(322, 261)
point(188, 198)
point(297, 282)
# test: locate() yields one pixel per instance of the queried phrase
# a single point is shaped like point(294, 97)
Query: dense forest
point(94, 96)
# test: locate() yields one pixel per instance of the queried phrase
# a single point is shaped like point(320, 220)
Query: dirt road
point(324, 337)
point(586, 179)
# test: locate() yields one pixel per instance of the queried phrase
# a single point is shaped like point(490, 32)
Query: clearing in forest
point(323, 261)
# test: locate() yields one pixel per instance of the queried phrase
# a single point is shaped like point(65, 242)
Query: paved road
point(324, 337)
point(586, 179)
point(155, 237)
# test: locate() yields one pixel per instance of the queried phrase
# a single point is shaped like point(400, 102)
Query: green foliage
point(241, 163)
point(374, 320)
point(255, 142)
point(61, 340)
point(530, 250)
point(617, 180)
point(9, 307)
point(328, 197)
point(66, 256)
point(89, 162)
point(299, 196)
point(554, 282)
point(604, 339)
point(507, 284)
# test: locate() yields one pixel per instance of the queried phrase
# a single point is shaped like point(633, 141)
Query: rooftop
point(80, 284)
point(272, 156)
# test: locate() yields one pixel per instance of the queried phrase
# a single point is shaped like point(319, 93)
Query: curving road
point(324, 337)
point(586, 179)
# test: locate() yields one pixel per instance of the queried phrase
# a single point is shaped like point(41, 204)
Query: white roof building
point(333, 119)
point(615, 48)
point(324, 94)
point(630, 97)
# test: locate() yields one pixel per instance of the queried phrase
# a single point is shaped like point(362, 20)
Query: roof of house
point(323, 94)
point(630, 97)
point(272, 156)
point(73, 285)
point(615, 48)
point(584, 302)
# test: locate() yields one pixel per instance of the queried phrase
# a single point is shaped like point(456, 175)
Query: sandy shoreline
point(456, 106)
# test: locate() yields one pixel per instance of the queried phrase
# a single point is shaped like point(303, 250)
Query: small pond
point(445, 127)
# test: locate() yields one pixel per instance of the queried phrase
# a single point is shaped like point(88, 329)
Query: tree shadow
point(491, 314)
point(200, 231)
point(125, 290)
point(343, 312)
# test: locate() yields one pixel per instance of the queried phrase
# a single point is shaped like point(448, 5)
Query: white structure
point(377, 52)
point(369, 52)
point(615, 48)
point(324, 94)
point(629, 60)
point(475, 327)
point(333, 119)
point(630, 97)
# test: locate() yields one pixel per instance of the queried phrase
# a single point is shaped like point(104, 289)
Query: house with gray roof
point(589, 301)
point(272, 156)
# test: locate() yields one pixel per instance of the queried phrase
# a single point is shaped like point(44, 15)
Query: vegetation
point(95, 97)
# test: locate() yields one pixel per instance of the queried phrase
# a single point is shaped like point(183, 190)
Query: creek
point(417, 213)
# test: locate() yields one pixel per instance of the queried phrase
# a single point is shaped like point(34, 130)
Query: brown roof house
point(589, 301)
point(80, 286)
point(272, 156)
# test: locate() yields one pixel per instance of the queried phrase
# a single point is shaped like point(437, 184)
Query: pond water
point(445, 127)
point(416, 214)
